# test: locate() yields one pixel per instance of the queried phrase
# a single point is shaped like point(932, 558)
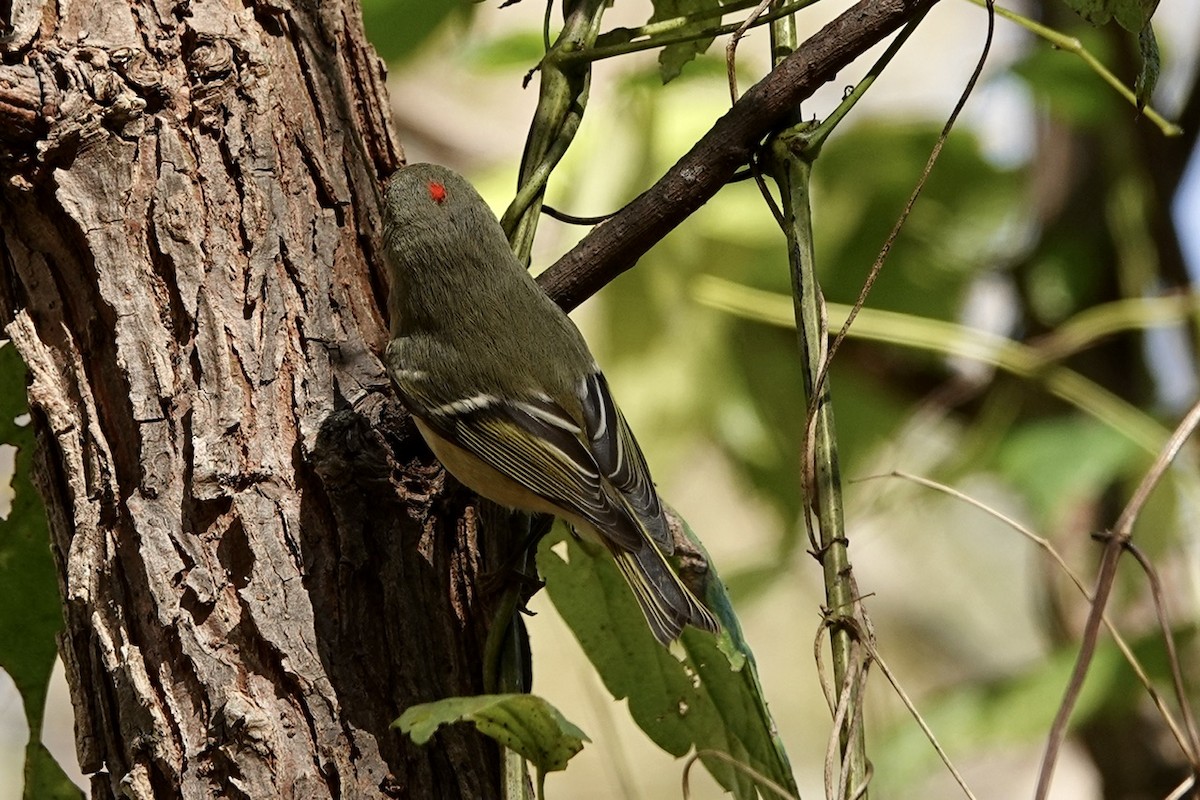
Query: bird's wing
point(620, 458)
point(536, 443)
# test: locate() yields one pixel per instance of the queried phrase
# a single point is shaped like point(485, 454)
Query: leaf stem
point(562, 98)
point(1072, 44)
point(620, 41)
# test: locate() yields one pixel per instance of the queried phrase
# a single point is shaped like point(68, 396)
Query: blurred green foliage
point(398, 28)
point(1004, 711)
point(1054, 228)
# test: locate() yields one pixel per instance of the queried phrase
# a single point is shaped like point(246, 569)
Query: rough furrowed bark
point(259, 567)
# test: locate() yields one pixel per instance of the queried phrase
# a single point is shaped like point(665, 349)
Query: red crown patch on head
point(437, 192)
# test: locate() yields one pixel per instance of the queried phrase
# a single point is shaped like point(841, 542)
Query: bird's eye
point(437, 192)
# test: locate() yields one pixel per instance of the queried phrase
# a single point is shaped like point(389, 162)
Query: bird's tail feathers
point(667, 604)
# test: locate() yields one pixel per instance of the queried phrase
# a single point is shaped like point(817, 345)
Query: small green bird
point(504, 389)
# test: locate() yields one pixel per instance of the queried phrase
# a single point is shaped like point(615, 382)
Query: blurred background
point(1056, 218)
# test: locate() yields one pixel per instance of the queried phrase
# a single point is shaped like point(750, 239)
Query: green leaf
point(959, 228)
point(398, 28)
point(1061, 462)
point(1067, 86)
point(1147, 77)
point(30, 616)
point(708, 700)
point(1132, 15)
point(516, 50)
point(44, 778)
point(523, 723)
point(673, 57)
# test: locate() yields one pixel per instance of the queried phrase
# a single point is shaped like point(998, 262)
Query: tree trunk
point(259, 568)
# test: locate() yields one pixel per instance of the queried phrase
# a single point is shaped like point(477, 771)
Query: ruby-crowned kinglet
point(504, 389)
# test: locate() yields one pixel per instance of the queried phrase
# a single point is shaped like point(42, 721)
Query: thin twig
point(754, 774)
point(571, 219)
point(877, 267)
point(1045, 545)
point(834, 787)
point(1168, 634)
point(731, 47)
point(667, 32)
point(849, 697)
point(602, 707)
point(1182, 790)
point(1104, 583)
point(852, 769)
point(822, 678)
point(924, 726)
point(1070, 44)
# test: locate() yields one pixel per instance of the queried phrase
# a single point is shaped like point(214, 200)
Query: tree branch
point(616, 245)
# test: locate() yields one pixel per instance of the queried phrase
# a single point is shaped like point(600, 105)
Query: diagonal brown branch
point(616, 245)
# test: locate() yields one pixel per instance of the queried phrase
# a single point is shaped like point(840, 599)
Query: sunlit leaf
point(525, 724)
